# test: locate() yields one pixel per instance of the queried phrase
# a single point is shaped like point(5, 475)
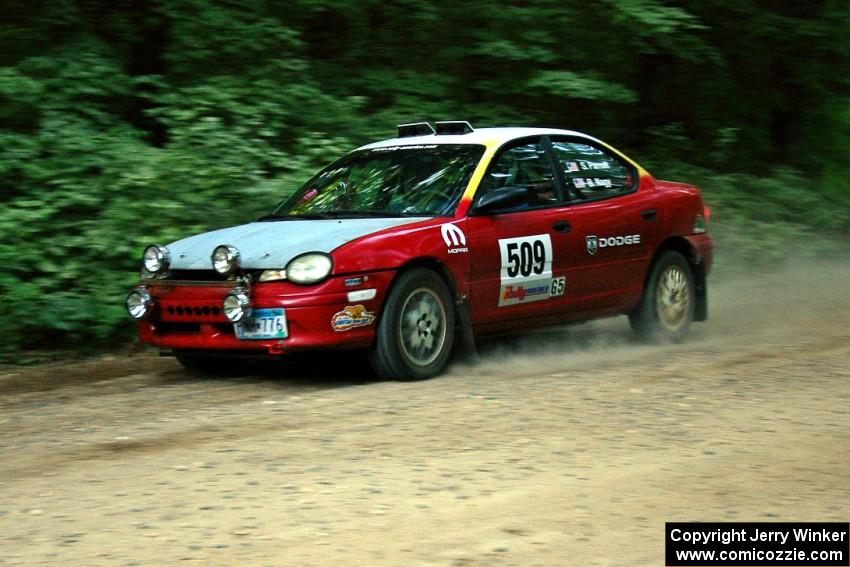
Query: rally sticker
point(526, 270)
point(351, 317)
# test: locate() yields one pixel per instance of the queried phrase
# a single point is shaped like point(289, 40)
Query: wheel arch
point(684, 247)
point(463, 321)
point(432, 264)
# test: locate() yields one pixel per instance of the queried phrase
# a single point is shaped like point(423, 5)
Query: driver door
point(514, 275)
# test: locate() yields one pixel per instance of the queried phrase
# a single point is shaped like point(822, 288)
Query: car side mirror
point(502, 198)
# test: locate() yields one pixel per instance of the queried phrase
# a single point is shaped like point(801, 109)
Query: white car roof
point(483, 136)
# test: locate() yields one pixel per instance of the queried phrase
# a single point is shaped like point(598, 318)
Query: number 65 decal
point(526, 269)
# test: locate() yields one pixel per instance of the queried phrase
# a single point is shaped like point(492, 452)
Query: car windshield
point(420, 180)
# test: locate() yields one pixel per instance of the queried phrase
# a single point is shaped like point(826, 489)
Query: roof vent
point(415, 129)
point(454, 127)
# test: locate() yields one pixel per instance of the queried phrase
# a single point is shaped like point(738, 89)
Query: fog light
point(139, 303)
point(236, 306)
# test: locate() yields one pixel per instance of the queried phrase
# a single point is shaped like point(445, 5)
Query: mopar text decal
point(454, 238)
point(526, 273)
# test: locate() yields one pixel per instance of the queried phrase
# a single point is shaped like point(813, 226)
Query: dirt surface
point(566, 447)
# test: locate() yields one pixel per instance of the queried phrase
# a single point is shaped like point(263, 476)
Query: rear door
point(614, 222)
point(514, 275)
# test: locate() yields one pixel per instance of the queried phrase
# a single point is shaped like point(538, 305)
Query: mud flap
point(701, 292)
point(466, 336)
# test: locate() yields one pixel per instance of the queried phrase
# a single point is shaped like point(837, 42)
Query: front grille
point(188, 310)
point(199, 311)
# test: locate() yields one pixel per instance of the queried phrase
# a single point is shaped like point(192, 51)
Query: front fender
point(442, 240)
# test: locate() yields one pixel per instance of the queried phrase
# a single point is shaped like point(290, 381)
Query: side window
point(591, 172)
point(526, 166)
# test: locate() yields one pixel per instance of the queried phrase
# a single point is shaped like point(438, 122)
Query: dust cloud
point(745, 306)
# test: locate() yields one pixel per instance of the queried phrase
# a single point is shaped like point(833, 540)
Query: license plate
point(263, 324)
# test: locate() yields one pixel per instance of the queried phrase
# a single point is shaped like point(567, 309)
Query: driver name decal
point(526, 269)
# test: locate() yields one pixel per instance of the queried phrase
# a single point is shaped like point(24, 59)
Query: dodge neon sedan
point(406, 246)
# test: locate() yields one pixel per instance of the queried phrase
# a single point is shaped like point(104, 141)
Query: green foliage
point(123, 124)
point(567, 84)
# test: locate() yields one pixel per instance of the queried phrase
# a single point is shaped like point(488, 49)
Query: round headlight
point(225, 259)
point(139, 303)
point(155, 259)
point(236, 306)
point(309, 268)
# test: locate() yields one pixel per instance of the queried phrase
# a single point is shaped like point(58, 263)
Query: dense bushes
point(126, 123)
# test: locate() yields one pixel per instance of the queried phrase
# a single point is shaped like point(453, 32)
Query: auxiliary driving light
point(236, 306)
point(156, 259)
point(139, 303)
point(225, 259)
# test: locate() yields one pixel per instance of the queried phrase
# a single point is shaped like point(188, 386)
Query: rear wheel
point(416, 331)
point(667, 307)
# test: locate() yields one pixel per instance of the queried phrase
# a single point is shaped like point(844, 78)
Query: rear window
point(592, 172)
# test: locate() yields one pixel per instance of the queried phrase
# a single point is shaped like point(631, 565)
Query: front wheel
point(666, 309)
point(416, 331)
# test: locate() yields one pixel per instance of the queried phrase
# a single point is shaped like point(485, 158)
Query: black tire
point(666, 309)
point(417, 328)
point(209, 365)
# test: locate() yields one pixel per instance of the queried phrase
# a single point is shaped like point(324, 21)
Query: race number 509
point(526, 257)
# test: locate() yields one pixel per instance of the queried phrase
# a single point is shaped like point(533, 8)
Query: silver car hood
point(271, 245)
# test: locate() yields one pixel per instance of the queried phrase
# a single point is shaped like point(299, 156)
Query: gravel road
point(565, 447)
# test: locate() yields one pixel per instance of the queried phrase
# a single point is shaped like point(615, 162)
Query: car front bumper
point(186, 316)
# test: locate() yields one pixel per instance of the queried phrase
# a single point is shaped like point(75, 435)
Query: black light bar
point(454, 127)
point(415, 129)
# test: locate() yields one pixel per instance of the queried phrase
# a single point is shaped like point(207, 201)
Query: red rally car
point(444, 232)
